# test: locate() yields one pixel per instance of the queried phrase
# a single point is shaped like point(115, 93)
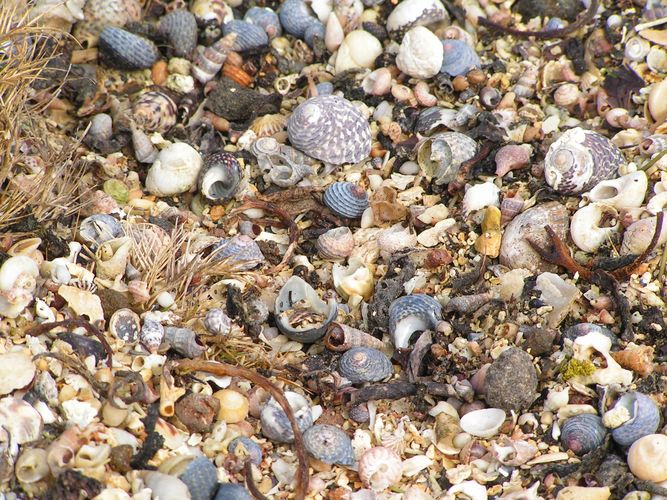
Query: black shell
point(180, 28)
point(581, 329)
point(123, 50)
point(329, 444)
point(125, 324)
point(246, 447)
point(248, 36)
point(201, 478)
point(582, 433)
point(346, 199)
point(364, 364)
point(644, 418)
point(220, 177)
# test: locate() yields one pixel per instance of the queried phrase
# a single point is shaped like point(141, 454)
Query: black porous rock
point(236, 103)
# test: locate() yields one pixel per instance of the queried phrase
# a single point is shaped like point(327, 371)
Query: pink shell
point(512, 157)
point(380, 468)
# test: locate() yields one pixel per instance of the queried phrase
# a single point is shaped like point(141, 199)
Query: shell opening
point(220, 189)
point(406, 327)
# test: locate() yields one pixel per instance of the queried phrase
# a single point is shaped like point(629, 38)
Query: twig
point(76, 365)
point(225, 370)
point(250, 483)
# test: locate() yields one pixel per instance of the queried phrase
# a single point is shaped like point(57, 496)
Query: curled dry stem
point(76, 365)
point(223, 369)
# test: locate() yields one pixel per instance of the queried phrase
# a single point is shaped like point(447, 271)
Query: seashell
point(248, 36)
point(19, 419)
point(377, 82)
point(300, 313)
point(219, 177)
point(31, 465)
point(151, 335)
point(274, 422)
point(647, 458)
point(567, 94)
point(364, 364)
point(329, 444)
point(124, 50)
point(268, 125)
point(92, 455)
point(335, 244)
point(579, 160)
point(489, 97)
point(346, 199)
point(480, 196)
point(638, 236)
point(441, 155)
point(656, 60)
point(244, 447)
point(211, 11)
point(155, 111)
point(144, 150)
point(483, 423)
point(488, 243)
point(101, 128)
point(420, 54)
point(395, 239)
point(657, 99)
point(582, 433)
point(516, 252)
point(380, 468)
point(175, 171)
point(295, 17)
point(412, 313)
point(184, 341)
point(61, 452)
point(230, 491)
point(234, 406)
point(359, 49)
point(593, 225)
point(512, 157)
point(636, 49)
point(341, 337)
point(180, 28)
point(239, 252)
point(164, 486)
point(265, 18)
point(208, 61)
point(285, 165)
point(653, 144)
point(644, 417)
point(125, 324)
point(82, 302)
point(423, 95)
point(334, 34)
point(112, 256)
point(28, 247)
point(330, 129)
point(411, 13)
point(18, 279)
point(458, 58)
point(627, 191)
point(201, 478)
point(217, 322)
point(354, 281)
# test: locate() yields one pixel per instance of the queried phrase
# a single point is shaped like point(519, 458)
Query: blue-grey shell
point(423, 306)
point(329, 444)
point(266, 18)
point(555, 23)
point(364, 364)
point(124, 50)
point(458, 58)
point(184, 341)
point(240, 252)
point(581, 329)
point(582, 433)
point(248, 36)
point(275, 424)
point(231, 491)
point(217, 322)
point(246, 447)
point(220, 177)
point(296, 17)
point(315, 30)
point(346, 199)
point(180, 28)
point(325, 88)
point(201, 478)
point(98, 229)
point(644, 418)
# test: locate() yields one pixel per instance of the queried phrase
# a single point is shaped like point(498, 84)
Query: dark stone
point(73, 485)
point(539, 340)
point(236, 103)
point(511, 382)
point(565, 9)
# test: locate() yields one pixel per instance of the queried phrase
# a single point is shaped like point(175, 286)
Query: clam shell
point(329, 444)
point(274, 422)
point(295, 17)
point(180, 28)
point(184, 341)
point(266, 18)
point(18, 418)
point(582, 433)
point(240, 252)
point(458, 58)
point(155, 111)
point(201, 478)
point(151, 335)
point(346, 199)
point(220, 177)
point(364, 364)
point(124, 50)
point(330, 129)
point(248, 36)
point(230, 491)
point(411, 13)
point(336, 243)
point(245, 447)
point(412, 313)
point(483, 423)
point(644, 418)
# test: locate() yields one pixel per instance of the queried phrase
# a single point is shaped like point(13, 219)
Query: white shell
point(355, 279)
point(112, 256)
point(31, 465)
point(377, 82)
point(410, 13)
point(358, 50)
point(16, 371)
point(585, 226)
point(395, 239)
point(19, 419)
point(165, 486)
point(657, 203)
point(647, 458)
point(334, 35)
point(483, 423)
point(657, 60)
point(420, 54)
point(625, 192)
point(175, 171)
point(481, 196)
point(380, 468)
point(638, 236)
point(17, 282)
point(636, 49)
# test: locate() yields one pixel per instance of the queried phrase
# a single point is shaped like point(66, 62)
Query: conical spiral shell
point(124, 50)
point(180, 28)
point(644, 418)
point(582, 433)
point(336, 243)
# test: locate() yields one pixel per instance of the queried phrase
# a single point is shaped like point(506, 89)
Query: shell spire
point(209, 60)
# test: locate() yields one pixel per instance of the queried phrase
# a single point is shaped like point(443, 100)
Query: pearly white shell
point(483, 423)
point(585, 227)
point(647, 458)
point(627, 191)
point(175, 171)
point(358, 50)
point(420, 53)
point(481, 196)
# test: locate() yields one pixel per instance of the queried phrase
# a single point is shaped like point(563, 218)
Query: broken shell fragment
point(410, 314)
point(593, 225)
point(355, 280)
point(380, 468)
point(411, 13)
point(627, 191)
point(441, 155)
point(483, 423)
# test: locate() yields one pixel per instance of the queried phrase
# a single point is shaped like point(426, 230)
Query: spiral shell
point(644, 418)
point(296, 17)
point(411, 313)
point(123, 50)
point(265, 18)
point(380, 468)
point(510, 207)
point(99, 228)
point(330, 129)
point(364, 364)
point(248, 36)
point(440, 156)
point(512, 157)
point(231, 491)
point(208, 61)
point(336, 243)
point(151, 335)
point(180, 28)
point(217, 322)
point(220, 177)
point(346, 199)
point(582, 433)
point(579, 159)
point(175, 170)
point(245, 447)
point(31, 465)
point(99, 14)
point(184, 341)
point(411, 13)
point(155, 111)
point(240, 252)
point(274, 422)
point(211, 11)
point(285, 165)
point(458, 58)
point(329, 444)
point(201, 478)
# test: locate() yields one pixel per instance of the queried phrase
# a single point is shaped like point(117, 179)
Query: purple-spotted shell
point(329, 444)
point(410, 13)
point(240, 252)
point(346, 199)
point(274, 421)
point(582, 433)
point(330, 129)
point(248, 36)
point(458, 58)
point(231, 491)
point(266, 18)
point(217, 322)
point(124, 50)
point(155, 111)
point(180, 28)
point(296, 17)
point(412, 313)
point(336, 243)
point(644, 418)
point(125, 324)
point(220, 177)
point(151, 335)
point(201, 478)
point(579, 159)
point(245, 447)
point(364, 364)
point(184, 341)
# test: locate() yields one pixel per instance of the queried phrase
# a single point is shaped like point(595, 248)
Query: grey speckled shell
point(246, 447)
point(180, 28)
point(644, 418)
point(274, 421)
point(458, 58)
point(284, 165)
point(123, 50)
point(241, 252)
point(329, 444)
point(184, 341)
point(296, 17)
point(217, 322)
point(579, 159)
point(220, 177)
point(266, 18)
point(201, 478)
point(248, 36)
point(410, 13)
point(364, 364)
point(330, 129)
point(423, 308)
point(346, 199)
point(125, 325)
point(582, 433)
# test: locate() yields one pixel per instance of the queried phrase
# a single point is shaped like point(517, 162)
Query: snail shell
point(151, 335)
point(582, 433)
point(510, 208)
point(458, 58)
point(627, 191)
point(440, 156)
point(201, 478)
point(512, 157)
point(231, 491)
point(412, 313)
point(124, 50)
point(175, 171)
point(208, 61)
point(180, 28)
point(411, 13)
point(638, 236)
point(346, 199)
point(329, 444)
point(647, 458)
point(184, 341)
point(636, 49)
point(99, 14)
point(220, 177)
point(101, 128)
point(99, 228)
point(211, 11)
point(125, 324)
point(336, 243)
point(420, 53)
point(585, 228)
point(240, 252)
point(359, 49)
point(155, 111)
point(644, 418)
point(31, 465)
point(164, 485)
point(396, 239)
point(248, 36)
point(266, 18)
point(653, 144)
point(380, 468)
point(285, 165)
point(330, 129)
point(274, 422)
point(217, 322)
point(580, 159)
point(296, 17)
point(364, 364)
point(245, 447)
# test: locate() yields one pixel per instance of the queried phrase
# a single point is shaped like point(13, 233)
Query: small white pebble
point(166, 300)
point(409, 168)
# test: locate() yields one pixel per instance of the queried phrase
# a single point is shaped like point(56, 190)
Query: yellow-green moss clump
point(577, 368)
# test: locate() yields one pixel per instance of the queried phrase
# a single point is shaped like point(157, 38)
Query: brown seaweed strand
point(252, 487)
point(586, 18)
point(226, 370)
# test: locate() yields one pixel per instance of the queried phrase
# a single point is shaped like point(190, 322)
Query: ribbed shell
point(201, 478)
point(113, 12)
point(184, 341)
point(266, 18)
point(241, 252)
point(246, 447)
point(336, 243)
point(330, 129)
point(295, 17)
point(329, 444)
point(346, 199)
point(231, 491)
point(155, 111)
point(151, 334)
point(125, 324)
point(582, 433)
point(180, 28)
point(220, 177)
point(579, 159)
point(123, 50)
point(248, 36)
point(274, 421)
point(423, 307)
point(458, 58)
point(644, 418)
point(364, 364)
point(217, 322)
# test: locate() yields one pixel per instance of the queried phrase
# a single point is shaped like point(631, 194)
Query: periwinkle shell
point(644, 418)
point(248, 36)
point(274, 421)
point(184, 341)
point(231, 491)
point(411, 313)
point(315, 30)
point(155, 111)
point(458, 58)
point(582, 433)
point(329, 444)
point(180, 28)
point(364, 364)
point(346, 199)
point(266, 18)
point(331, 129)
point(201, 478)
point(246, 447)
point(240, 252)
point(296, 17)
point(124, 50)
point(220, 177)
point(217, 322)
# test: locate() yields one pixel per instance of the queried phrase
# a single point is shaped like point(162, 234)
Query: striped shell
point(579, 159)
point(336, 243)
point(220, 177)
point(346, 199)
point(123, 50)
point(155, 111)
point(266, 18)
point(151, 335)
point(330, 129)
point(248, 36)
point(364, 364)
point(582, 433)
point(124, 324)
point(411, 13)
point(458, 58)
point(274, 421)
point(231, 491)
point(208, 61)
point(412, 313)
point(201, 478)
point(217, 322)
point(207, 11)
point(295, 17)
point(184, 341)
point(245, 447)
point(329, 444)
point(644, 418)
point(241, 252)
point(180, 28)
